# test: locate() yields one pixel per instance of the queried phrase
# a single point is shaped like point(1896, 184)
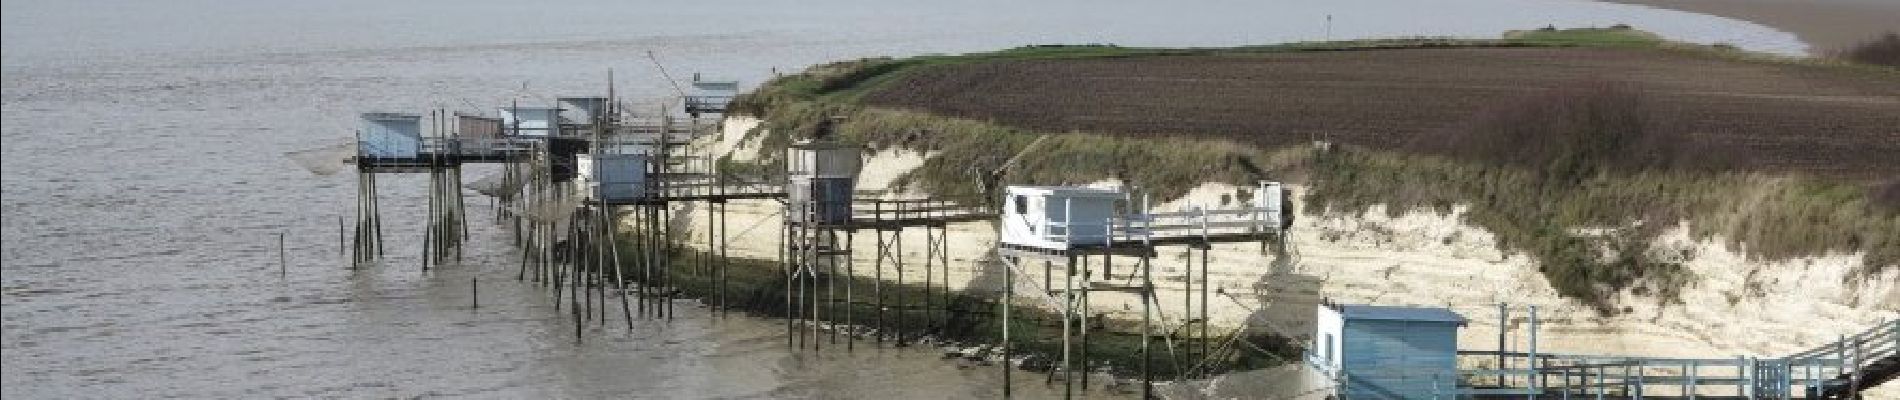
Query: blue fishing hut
point(1387, 352)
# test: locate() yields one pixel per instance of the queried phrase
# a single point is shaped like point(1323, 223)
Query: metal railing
point(1830, 369)
point(1201, 223)
point(478, 147)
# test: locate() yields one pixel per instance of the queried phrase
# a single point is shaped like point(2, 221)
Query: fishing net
point(544, 209)
point(324, 161)
point(495, 185)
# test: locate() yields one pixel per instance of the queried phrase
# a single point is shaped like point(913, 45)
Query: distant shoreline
point(1826, 25)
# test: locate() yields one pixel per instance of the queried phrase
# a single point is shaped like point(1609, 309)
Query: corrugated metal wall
point(824, 162)
point(529, 121)
point(620, 177)
point(825, 200)
point(1088, 217)
point(470, 126)
point(391, 135)
point(1399, 359)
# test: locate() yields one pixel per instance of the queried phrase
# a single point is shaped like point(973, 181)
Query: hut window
point(1022, 205)
point(1328, 348)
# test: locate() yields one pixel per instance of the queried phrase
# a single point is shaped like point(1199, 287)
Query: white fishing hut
point(531, 121)
point(822, 177)
point(390, 135)
point(1057, 218)
point(581, 110)
point(1387, 352)
point(710, 96)
point(1272, 201)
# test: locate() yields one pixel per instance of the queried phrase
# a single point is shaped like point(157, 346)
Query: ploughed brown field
point(1835, 121)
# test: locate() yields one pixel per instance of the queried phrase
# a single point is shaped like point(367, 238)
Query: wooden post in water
point(850, 274)
point(784, 243)
point(283, 261)
point(831, 283)
point(943, 258)
point(877, 281)
point(474, 292)
point(897, 248)
point(1187, 312)
point(1009, 294)
point(620, 275)
point(1068, 321)
point(1147, 320)
point(1083, 318)
point(1205, 245)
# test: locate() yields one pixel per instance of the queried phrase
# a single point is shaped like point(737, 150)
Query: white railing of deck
point(1150, 226)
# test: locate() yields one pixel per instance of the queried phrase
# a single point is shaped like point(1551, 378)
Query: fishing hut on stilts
point(393, 143)
point(824, 213)
point(1078, 233)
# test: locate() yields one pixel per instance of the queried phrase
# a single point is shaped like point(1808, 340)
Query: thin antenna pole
point(1329, 27)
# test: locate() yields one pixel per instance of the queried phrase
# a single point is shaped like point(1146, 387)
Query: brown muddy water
point(145, 182)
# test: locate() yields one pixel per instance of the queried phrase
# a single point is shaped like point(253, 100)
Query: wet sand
point(1827, 25)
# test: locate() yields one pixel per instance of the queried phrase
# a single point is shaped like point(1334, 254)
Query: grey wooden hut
point(1388, 352)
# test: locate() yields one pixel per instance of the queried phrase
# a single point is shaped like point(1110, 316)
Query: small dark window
point(1022, 205)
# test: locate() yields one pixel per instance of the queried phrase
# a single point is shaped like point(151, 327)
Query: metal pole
point(1691, 388)
point(1537, 376)
point(1503, 321)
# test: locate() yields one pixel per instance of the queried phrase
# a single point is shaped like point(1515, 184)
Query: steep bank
point(1733, 306)
point(1719, 262)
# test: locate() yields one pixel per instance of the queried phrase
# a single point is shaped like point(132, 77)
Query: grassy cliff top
point(1541, 133)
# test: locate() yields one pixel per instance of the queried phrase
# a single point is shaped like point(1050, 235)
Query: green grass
point(1534, 210)
point(1614, 36)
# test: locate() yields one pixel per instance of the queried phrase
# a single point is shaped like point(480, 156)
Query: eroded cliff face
point(1729, 305)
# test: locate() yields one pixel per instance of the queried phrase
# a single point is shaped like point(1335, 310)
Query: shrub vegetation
point(1884, 50)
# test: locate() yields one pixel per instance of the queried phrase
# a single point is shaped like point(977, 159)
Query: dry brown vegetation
point(1884, 50)
point(1756, 115)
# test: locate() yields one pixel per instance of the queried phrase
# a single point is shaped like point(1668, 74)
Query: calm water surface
point(144, 181)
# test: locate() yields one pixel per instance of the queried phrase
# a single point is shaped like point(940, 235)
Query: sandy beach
point(1827, 25)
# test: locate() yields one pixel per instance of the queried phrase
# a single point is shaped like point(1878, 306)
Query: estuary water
point(145, 181)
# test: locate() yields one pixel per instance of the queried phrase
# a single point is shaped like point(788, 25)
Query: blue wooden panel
point(1389, 359)
point(390, 135)
point(622, 177)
